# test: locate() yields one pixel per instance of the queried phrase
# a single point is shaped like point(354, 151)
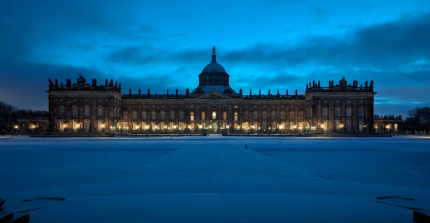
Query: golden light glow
point(16, 126)
point(103, 125)
point(295, 127)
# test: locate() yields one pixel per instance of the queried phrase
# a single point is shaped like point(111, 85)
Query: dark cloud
point(382, 46)
point(45, 39)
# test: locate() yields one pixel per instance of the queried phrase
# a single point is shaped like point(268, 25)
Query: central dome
point(213, 67)
point(214, 77)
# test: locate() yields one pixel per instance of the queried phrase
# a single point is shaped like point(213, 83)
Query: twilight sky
point(270, 44)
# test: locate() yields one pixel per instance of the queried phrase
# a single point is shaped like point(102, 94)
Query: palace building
point(94, 107)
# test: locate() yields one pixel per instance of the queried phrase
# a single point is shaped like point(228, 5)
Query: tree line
point(419, 119)
point(10, 113)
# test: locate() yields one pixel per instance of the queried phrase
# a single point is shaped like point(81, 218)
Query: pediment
point(214, 95)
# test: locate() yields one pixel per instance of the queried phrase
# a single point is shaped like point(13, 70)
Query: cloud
point(61, 40)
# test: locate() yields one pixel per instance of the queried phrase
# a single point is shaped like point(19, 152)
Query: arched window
point(163, 115)
point(134, 116)
point(100, 112)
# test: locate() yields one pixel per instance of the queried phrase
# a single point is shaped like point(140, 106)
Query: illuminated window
point(203, 116)
point(213, 115)
point(192, 116)
point(224, 115)
point(235, 116)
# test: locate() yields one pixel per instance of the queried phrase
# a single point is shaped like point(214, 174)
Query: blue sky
point(262, 45)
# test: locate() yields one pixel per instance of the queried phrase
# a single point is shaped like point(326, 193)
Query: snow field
point(204, 179)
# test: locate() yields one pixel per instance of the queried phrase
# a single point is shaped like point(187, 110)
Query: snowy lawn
point(206, 179)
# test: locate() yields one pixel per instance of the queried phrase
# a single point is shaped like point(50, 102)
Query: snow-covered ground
point(210, 179)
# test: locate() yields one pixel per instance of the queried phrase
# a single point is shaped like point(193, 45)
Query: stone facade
point(388, 123)
point(213, 104)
